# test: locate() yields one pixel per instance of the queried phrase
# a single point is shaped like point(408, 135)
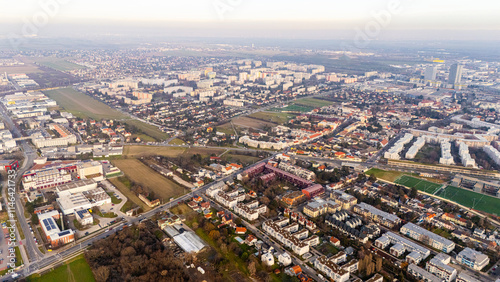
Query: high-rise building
point(430, 73)
point(455, 74)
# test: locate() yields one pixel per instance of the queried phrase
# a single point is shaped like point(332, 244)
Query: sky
point(291, 18)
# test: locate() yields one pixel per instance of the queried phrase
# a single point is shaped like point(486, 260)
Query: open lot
point(420, 184)
point(280, 118)
point(137, 150)
point(143, 175)
point(148, 129)
point(388, 175)
point(251, 122)
point(82, 105)
point(294, 108)
point(27, 68)
point(242, 159)
point(471, 199)
point(74, 271)
point(132, 198)
point(59, 64)
point(313, 102)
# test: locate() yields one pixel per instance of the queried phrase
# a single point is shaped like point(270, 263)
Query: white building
point(446, 157)
point(439, 267)
point(473, 259)
point(426, 237)
point(285, 259)
point(268, 259)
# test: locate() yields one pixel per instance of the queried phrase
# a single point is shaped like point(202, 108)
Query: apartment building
point(345, 200)
point(384, 218)
point(422, 274)
point(250, 211)
point(277, 230)
point(320, 207)
point(330, 267)
point(473, 259)
point(463, 277)
point(439, 267)
point(401, 244)
point(426, 237)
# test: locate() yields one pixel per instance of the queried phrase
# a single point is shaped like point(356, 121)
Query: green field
point(471, 199)
point(420, 184)
point(83, 106)
point(388, 175)
point(280, 118)
point(58, 64)
point(294, 108)
point(148, 129)
point(313, 102)
point(75, 271)
point(177, 141)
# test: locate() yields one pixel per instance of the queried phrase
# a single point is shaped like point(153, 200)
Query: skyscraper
point(455, 74)
point(430, 73)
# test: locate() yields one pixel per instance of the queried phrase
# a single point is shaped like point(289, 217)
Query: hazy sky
point(283, 14)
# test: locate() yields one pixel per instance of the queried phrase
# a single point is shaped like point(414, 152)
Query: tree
point(378, 265)
point(370, 268)
point(214, 235)
point(414, 192)
point(101, 273)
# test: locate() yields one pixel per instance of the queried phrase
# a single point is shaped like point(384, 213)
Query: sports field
point(75, 271)
point(145, 176)
point(420, 184)
point(313, 102)
point(294, 108)
point(82, 105)
point(471, 199)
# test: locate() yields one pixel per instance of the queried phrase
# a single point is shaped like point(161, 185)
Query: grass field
point(420, 184)
point(471, 199)
point(251, 122)
point(143, 175)
point(177, 141)
point(280, 118)
point(148, 129)
point(132, 198)
point(242, 159)
point(74, 271)
point(136, 150)
point(59, 64)
point(388, 175)
point(82, 105)
point(313, 102)
point(294, 108)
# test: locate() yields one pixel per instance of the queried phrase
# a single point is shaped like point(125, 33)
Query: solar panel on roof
point(47, 224)
point(66, 232)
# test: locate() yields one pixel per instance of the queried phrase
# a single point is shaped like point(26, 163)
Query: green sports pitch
point(471, 199)
point(419, 184)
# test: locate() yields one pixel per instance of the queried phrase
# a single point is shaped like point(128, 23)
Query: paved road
point(29, 157)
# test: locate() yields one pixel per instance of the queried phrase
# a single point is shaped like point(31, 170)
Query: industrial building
point(51, 231)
